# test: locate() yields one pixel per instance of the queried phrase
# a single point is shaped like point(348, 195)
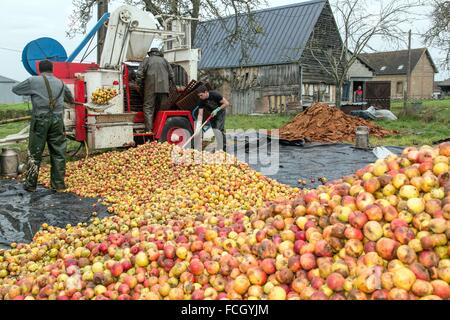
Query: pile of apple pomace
point(226, 232)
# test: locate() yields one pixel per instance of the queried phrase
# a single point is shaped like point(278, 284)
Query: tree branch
point(439, 33)
point(360, 24)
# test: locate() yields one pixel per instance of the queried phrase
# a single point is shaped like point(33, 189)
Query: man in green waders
point(48, 95)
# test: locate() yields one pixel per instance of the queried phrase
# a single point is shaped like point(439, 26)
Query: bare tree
point(360, 24)
point(80, 16)
point(205, 9)
point(439, 33)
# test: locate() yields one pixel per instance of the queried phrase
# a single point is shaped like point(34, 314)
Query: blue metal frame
point(88, 37)
point(42, 49)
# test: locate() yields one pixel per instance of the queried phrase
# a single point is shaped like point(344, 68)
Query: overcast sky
point(26, 21)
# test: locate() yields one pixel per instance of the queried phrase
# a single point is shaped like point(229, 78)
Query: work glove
point(215, 112)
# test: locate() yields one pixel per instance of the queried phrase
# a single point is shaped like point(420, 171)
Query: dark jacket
point(154, 74)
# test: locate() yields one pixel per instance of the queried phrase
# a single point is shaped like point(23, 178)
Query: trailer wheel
point(177, 130)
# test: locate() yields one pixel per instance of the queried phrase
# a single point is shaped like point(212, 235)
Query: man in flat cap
point(153, 78)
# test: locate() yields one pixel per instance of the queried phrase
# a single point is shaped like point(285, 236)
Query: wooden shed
point(278, 73)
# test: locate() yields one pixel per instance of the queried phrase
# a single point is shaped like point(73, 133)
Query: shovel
point(199, 130)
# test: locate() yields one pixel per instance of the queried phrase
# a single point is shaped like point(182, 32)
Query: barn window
point(400, 87)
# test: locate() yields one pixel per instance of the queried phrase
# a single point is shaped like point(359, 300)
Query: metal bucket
point(9, 163)
point(362, 138)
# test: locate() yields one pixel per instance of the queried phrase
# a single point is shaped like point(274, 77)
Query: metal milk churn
point(362, 138)
point(9, 163)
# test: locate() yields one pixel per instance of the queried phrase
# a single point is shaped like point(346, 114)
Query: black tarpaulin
point(316, 161)
point(300, 160)
point(23, 213)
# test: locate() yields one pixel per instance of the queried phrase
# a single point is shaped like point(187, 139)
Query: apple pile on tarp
point(379, 234)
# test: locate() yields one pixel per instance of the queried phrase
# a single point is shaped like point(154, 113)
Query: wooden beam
point(102, 8)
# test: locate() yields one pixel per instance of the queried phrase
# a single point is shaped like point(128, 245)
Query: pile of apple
point(102, 96)
point(151, 178)
point(379, 234)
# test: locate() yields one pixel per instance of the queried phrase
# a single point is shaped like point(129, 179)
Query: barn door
point(244, 101)
point(378, 94)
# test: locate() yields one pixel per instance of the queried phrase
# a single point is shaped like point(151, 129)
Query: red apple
point(428, 259)
point(364, 199)
point(387, 248)
point(169, 251)
point(372, 185)
point(308, 261)
point(323, 249)
point(268, 266)
point(422, 288)
point(335, 281)
point(358, 219)
point(444, 149)
point(374, 212)
point(353, 233)
point(294, 263)
point(117, 269)
point(441, 289)
point(241, 284)
point(196, 267)
point(403, 234)
point(256, 276)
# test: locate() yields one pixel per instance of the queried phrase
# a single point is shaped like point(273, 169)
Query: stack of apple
point(151, 177)
point(379, 234)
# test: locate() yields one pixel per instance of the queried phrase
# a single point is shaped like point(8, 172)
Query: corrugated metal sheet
point(395, 62)
point(7, 80)
point(445, 83)
point(7, 96)
point(286, 30)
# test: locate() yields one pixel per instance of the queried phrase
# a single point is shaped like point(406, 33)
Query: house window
point(400, 87)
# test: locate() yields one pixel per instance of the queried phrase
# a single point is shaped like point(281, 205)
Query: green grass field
point(431, 125)
point(14, 107)
point(256, 122)
point(12, 128)
point(442, 103)
point(13, 111)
